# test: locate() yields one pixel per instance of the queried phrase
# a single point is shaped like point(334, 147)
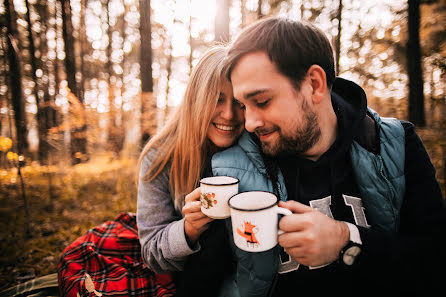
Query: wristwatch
point(351, 251)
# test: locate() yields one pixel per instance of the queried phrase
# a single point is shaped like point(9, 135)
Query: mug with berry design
point(215, 193)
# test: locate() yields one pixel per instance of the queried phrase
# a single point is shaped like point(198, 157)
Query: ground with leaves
point(84, 196)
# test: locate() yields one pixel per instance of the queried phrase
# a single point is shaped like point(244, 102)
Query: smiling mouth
point(225, 127)
point(264, 135)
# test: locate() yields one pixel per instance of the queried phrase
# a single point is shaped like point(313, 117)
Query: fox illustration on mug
point(249, 233)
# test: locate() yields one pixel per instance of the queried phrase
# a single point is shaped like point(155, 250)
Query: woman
point(170, 220)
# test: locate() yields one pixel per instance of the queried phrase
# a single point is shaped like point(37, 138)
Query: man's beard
point(303, 138)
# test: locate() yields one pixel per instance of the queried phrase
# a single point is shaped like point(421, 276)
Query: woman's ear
point(318, 82)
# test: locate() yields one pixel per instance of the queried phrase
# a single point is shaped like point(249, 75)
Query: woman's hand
point(196, 222)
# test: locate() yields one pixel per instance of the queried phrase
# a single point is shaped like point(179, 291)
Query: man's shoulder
point(368, 135)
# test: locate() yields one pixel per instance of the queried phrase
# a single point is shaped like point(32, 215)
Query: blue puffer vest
point(380, 179)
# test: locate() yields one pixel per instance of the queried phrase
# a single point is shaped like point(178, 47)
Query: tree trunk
point(111, 86)
point(15, 79)
point(122, 116)
point(82, 42)
point(46, 108)
point(45, 111)
point(78, 126)
point(222, 21)
point(17, 100)
point(40, 115)
point(414, 68)
point(338, 37)
point(70, 60)
point(148, 102)
point(54, 116)
point(259, 9)
point(243, 13)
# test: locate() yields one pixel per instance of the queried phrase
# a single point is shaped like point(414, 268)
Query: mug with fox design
point(215, 193)
point(255, 220)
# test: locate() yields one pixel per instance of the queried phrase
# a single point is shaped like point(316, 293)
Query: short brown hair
point(293, 46)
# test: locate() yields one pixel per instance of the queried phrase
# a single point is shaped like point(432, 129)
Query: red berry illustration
point(215, 201)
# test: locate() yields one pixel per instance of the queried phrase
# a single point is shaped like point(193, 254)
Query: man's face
point(282, 117)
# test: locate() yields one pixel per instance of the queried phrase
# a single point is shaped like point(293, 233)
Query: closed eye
point(262, 103)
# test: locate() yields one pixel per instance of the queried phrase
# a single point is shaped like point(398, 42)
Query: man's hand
point(195, 221)
point(311, 237)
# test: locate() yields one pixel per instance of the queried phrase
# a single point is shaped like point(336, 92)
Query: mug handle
point(285, 212)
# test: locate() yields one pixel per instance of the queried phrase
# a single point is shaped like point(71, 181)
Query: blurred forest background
point(84, 83)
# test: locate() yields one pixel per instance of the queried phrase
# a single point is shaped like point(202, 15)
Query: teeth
point(226, 128)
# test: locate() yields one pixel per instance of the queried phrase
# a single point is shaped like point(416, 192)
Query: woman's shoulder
point(149, 159)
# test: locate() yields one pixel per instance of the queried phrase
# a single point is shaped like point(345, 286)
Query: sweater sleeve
point(412, 256)
point(160, 227)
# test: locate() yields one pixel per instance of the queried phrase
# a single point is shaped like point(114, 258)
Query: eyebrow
point(255, 93)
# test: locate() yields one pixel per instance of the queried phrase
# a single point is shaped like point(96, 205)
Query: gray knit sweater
point(161, 228)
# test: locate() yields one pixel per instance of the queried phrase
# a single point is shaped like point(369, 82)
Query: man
point(368, 214)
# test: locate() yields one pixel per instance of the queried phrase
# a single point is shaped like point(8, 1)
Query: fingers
point(197, 220)
point(295, 206)
point(294, 239)
point(192, 211)
point(193, 196)
point(298, 255)
point(311, 238)
point(203, 221)
point(191, 207)
point(193, 229)
point(192, 202)
point(296, 222)
point(299, 220)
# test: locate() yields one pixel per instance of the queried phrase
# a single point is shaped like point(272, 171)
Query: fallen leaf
point(89, 285)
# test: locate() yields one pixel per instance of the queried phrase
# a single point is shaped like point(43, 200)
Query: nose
point(252, 120)
point(228, 110)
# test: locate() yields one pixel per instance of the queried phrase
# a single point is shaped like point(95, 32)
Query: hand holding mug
point(195, 221)
point(311, 237)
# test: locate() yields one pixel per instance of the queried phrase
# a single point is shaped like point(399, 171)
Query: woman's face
point(227, 122)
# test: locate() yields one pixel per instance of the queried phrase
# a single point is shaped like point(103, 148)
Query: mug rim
point(255, 209)
point(221, 184)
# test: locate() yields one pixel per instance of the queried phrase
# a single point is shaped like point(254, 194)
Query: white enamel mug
point(255, 220)
point(215, 193)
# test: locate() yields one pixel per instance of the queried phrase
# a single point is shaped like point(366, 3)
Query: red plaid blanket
point(107, 260)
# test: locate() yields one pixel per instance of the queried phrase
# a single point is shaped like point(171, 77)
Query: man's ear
point(318, 82)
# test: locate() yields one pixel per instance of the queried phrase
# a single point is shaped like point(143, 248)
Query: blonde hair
point(183, 139)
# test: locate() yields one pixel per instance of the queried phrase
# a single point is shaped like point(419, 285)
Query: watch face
point(350, 255)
